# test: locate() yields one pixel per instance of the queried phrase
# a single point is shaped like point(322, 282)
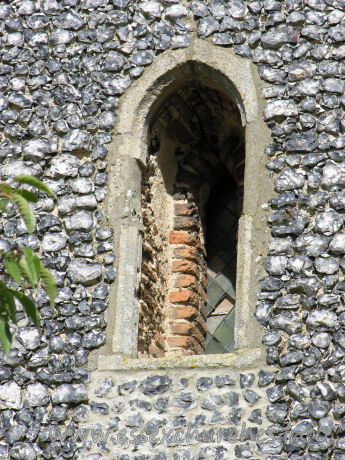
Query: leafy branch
point(24, 267)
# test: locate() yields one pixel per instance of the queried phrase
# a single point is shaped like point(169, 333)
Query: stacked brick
point(187, 326)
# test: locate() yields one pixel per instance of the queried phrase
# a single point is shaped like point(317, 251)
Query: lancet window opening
point(192, 196)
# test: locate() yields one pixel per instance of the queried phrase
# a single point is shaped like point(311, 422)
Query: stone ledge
point(241, 360)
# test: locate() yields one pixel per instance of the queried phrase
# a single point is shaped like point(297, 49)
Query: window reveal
point(192, 195)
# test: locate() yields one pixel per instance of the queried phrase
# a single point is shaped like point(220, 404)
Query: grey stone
point(223, 38)
point(280, 108)
point(211, 401)
point(305, 142)
point(321, 339)
point(203, 383)
point(263, 313)
point(36, 395)
point(312, 245)
point(116, 85)
point(232, 398)
point(300, 341)
point(85, 202)
point(10, 396)
point(337, 244)
point(318, 408)
point(16, 167)
point(277, 37)
point(322, 317)
point(333, 174)
point(64, 165)
point(75, 140)
point(237, 9)
point(69, 393)
point(198, 8)
point(107, 120)
point(176, 11)
point(29, 337)
point(328, 222)
point(222, 380)
point(54, 242)
point(291, 357)
point(250, 396)
point(61, 36)
point(152, 7)
point(155, 384)
point(161, 404)
point(39, 358)
point(247, 380)
point(287, 321)
point(141, 57)
point(81, 220)
point(289, 180)
point(185, 400)
point(271, 338)
point(71, 20)
point(206, 26)
point(86, 273)
point(134, 421)
point(180, 41)
point(23, 451)
point(275, 265)
point(127, 387)
point(327, 265)
point(82, 185)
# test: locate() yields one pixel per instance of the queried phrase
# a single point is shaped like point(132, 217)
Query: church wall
point(63, 68)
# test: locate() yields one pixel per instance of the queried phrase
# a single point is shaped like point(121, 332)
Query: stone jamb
point(221, 69)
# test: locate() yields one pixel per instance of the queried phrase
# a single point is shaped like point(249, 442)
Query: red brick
point(183, 252)
point(185, 281)
point(187, 312)
point(183, 238)
point(187, 328)
point(184, 296)
point(190, 314)
point(184, 209)
point(186, 222)
point(184, 266)
point(188, 344)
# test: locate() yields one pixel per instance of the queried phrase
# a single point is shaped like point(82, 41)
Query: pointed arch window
point(192, 199)
point(185, 200)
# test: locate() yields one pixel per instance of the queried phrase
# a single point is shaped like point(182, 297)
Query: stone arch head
point(224, 71)
point(217, 68)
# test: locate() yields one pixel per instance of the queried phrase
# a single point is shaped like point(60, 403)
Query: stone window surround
point(221, 69)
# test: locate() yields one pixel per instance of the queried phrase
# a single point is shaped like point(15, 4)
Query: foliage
point(24, 267)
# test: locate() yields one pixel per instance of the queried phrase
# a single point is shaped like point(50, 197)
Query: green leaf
point(26, 271)
point(49, 284)
point(28, 305)
point(3, 204)
point(5, 188)
point(7, 301)
point(29, 196)
point(5, 335)
point(14, 270)
point(25, 211)
point(30, 180)
point(34, 268)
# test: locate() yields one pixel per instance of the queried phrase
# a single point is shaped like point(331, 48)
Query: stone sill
point(248, 358)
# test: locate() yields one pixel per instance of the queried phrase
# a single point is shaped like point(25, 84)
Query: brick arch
point(220, 70)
